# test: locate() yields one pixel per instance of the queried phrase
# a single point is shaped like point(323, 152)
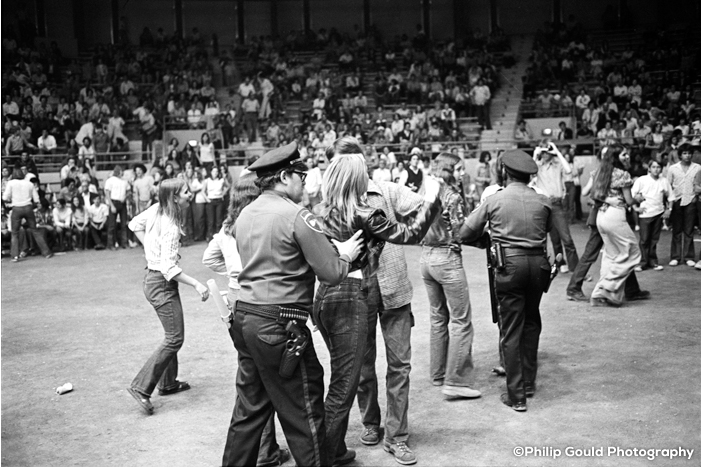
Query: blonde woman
point(158, 228)
point(341, 312)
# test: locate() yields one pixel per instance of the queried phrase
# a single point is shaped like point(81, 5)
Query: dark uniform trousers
point(299, 401)
point(519, 286)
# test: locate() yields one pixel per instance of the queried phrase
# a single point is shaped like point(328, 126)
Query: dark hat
point(276, 159)
point(519, 161)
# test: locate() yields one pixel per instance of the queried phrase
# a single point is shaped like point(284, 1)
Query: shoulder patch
point(311, 221)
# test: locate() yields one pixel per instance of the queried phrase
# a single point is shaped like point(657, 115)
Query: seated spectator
point(68, 189)
point(97, 217)
point(80, 223)
point(63, 223)
point(46, 144)
point(564, 133)
point(87, 151)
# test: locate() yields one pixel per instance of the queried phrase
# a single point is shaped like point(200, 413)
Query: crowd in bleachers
point(641, 96)
point(403, 92)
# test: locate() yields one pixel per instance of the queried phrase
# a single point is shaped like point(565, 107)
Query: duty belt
point(518, 251)
point(273, 311)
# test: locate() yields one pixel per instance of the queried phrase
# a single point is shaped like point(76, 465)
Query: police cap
point(520, 162)
point(276, 159)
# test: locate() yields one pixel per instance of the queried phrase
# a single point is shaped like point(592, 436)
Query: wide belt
point(518, 251)
point(272, 311)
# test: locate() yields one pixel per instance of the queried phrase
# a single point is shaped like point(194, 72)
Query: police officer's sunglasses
point(303, 175)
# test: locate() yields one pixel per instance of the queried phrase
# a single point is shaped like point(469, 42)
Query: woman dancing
point(158, 228)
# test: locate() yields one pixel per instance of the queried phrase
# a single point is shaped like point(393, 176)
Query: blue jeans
point(451, 341)
point(560, 234)
point(17, 214)
point(396, 325)
point(341, 314)
point(682, 219)
point(162, 367)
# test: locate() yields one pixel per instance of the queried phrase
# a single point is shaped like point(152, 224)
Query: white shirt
point(313, 182)
point(222, 256)
point(161, 241)
point(47, 143)
point(382, 175)
point(654, 192)
point(117, 187)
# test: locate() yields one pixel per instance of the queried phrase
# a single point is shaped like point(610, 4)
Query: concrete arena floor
point(627, 378)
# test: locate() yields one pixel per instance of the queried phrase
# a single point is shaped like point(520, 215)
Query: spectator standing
point(199, 204)
point(653, 192)
point(250, 107)
point(116, 192)
point(553, 168)
point(480, 96)
point(415, 175)
point(143, 189)
point(207, 151)
point(482, 177)
point(684, 178)
point(214, 189)
point(313, 182)
point(19, 194)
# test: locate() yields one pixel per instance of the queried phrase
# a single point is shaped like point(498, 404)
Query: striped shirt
point(683, 182)
point(161, 241)
point(393, 278)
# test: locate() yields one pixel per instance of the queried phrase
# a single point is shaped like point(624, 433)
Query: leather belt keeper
point(273, 311)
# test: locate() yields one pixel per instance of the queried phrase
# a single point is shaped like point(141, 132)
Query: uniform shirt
point(393, 278)
point(282, 248)
point(654, 191)
point(445, 228)
point(683, 182)
point(117, 187)
point(161, 241)
point(20, 192)
point(222, 256)
point(518, 216)
point(551, 178)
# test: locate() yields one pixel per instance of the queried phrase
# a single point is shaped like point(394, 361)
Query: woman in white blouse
point(215, 187)
point(158, 228)
point(207, 151)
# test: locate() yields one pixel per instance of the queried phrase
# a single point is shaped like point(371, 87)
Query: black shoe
point(529, 389)
point(283, 456)
point(639, 296)
point(144, 401)
point(577, 296)
point(181, 387)
point(49, 256)
point(516, 406)
point(345, 459)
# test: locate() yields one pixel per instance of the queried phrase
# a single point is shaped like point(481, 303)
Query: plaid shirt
point(161, 241)
point(393, 199)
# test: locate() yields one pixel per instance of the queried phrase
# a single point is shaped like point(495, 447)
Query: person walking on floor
point(159, 230)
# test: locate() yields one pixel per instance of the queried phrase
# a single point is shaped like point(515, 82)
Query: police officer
point(519, 221)
point(282, 249)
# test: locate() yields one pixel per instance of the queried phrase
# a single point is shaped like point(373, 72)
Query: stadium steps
point(504, 106)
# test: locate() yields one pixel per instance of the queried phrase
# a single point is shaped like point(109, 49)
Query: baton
point(224, 311)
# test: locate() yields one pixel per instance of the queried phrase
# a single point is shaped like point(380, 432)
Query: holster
point(295, 346)
point(497, 255)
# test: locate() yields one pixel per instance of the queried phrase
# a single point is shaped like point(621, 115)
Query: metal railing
point(101, 162)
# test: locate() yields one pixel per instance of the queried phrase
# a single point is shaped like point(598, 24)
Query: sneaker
point(640, 295)
point(637, 228)
point(698, 265)
point(23, 254)
point(638, 269)
point(437, 382)
point(657, 268)
point(516, 406)
point(460, 392)
point(403, 454)
point(673, 263)
point(15, 259)
point(690, 263)
point(370, 436)
point(499, 371)
point(564, 269)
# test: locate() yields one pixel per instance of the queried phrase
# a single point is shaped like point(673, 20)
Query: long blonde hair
point(344, 184)
point(168, 191)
